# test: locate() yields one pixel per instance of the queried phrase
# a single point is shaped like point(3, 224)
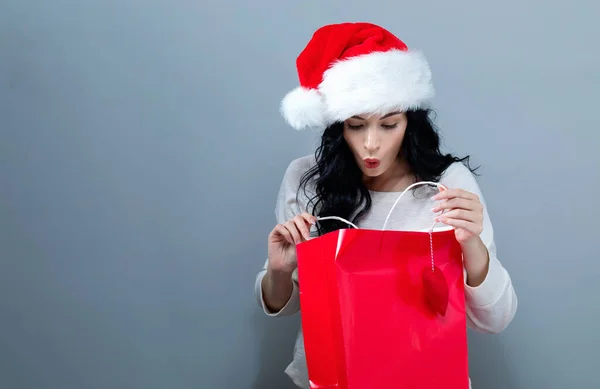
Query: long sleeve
point(287, 206)
point(293, 304)
point(492, 305)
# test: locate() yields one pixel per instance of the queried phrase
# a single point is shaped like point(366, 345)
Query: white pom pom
point(303, 108)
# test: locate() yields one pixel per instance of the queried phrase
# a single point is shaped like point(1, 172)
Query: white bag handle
point(406, 190)
point(393, 206)
point(337, 218)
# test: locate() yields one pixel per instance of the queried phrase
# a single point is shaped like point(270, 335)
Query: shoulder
point(457, 170)
point(298, 167)
point(290, 200)
point(457, 175)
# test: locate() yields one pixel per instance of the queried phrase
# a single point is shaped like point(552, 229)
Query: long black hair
point(337, 180)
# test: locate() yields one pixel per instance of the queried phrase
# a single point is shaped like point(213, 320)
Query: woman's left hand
point(463, 211)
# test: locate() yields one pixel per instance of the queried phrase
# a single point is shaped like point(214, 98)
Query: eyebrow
point(384, 117)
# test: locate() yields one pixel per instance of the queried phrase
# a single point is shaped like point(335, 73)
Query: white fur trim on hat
point(376, 83)
point(303, 108)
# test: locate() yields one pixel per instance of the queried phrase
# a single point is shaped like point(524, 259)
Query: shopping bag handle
point(393, 206)
point(337, 218)
point(440, 186)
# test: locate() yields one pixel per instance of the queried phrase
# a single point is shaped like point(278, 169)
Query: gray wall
point(141, 149)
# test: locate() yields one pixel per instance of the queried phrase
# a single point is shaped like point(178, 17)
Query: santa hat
point(350, 69)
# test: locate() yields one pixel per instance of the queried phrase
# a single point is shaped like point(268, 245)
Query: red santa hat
point(355, 68)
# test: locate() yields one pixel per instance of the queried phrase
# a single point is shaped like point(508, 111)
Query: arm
point(490, 296)
point(491, 301)
point(277, 292)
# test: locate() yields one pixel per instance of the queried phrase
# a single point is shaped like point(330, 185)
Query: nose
point(372, 142)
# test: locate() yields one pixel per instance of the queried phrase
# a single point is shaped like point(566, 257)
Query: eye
point(354, 127)
point(389, 126)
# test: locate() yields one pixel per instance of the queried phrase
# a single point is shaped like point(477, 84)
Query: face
point(375, 141)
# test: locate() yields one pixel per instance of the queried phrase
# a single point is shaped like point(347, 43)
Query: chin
point(372, 173)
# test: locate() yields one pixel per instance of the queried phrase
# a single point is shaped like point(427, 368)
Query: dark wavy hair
point(338, 181)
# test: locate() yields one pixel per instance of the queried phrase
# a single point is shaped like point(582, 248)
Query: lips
point(371, 163)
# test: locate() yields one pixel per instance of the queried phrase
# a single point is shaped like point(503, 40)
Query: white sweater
point(490, 307)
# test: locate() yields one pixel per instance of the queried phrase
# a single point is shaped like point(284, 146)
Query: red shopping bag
point(384, 309)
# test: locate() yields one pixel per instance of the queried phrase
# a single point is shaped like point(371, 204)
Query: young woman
point(371, 94)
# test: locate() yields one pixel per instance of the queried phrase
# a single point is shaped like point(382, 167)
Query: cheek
point(395, 141)
point(352, 140)
point(399, 139)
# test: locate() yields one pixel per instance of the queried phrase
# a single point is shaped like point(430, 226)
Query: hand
point(283, 240)
point(464, 212)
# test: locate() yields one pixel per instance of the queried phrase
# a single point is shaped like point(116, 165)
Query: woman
point(371, 94)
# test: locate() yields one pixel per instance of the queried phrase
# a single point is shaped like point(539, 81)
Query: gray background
point(141, 149)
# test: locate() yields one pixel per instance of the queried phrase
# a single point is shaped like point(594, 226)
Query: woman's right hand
point(283, 240)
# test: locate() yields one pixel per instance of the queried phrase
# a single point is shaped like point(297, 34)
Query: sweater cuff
point(290, 307)
point(491, 288)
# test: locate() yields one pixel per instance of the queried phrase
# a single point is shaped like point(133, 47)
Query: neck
point(395, 179)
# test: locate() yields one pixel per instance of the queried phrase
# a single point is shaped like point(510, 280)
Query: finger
point(282, 231)
point(291, 227)
point(455, 203)
point(462, 214)
point(310, 219)
point(456, 192)
point(302, 226)
point(447, 194)
point(466, 225)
